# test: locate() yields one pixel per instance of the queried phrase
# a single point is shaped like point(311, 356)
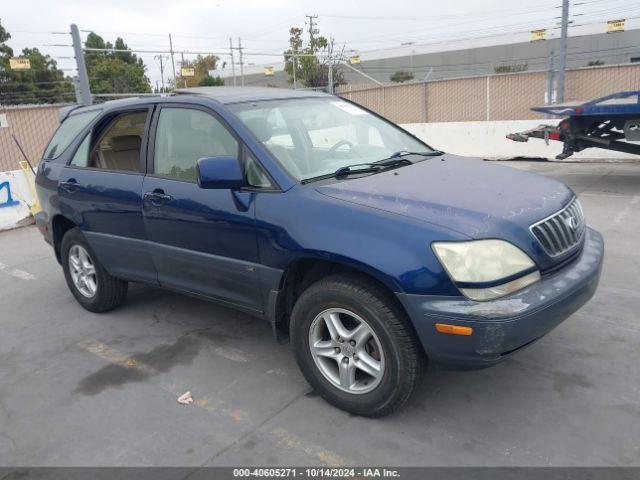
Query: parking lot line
point(283, 437)
point(17, 273)
point(294, 442)
point(115, 357)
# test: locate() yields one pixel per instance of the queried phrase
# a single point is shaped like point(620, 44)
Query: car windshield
point(312, 137)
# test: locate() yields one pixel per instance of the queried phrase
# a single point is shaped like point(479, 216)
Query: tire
point(100, 292)
point(392, 344)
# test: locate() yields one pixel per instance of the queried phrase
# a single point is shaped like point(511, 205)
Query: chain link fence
point(495, 97)
point(32, 125)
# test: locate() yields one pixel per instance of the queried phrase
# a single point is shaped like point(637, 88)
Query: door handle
point(70, 185)
point(157, 197)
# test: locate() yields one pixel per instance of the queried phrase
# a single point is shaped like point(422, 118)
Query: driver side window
point(185, 135)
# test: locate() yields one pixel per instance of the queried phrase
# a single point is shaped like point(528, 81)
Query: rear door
point(101, 191)
point(202, 241)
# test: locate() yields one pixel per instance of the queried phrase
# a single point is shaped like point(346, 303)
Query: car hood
point(476, 198)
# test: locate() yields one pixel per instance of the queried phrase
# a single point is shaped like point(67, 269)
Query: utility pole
point(295, 66)
point(233, 67)
point(83, 78)
point(563, 51)
point(241, 62)
point(173, 63)
point(181, 67)
point(159, 57)
point(550, 95)
point(312, 31)
point(330, 80)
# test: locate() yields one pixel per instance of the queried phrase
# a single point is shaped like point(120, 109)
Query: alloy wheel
point(346, 350)
point(83, 271)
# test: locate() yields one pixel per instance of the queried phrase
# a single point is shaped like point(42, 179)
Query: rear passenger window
point(185, 135)
point(67, 132)
point(118, 148)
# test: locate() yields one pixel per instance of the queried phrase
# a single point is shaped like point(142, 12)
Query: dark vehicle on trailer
point(611, 123)
point(372, 251)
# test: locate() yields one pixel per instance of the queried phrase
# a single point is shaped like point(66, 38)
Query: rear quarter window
point(67, 132)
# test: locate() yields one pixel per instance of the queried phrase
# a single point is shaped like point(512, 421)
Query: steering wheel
point(335, 147)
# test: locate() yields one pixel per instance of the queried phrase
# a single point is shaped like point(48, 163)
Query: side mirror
point(220, 173)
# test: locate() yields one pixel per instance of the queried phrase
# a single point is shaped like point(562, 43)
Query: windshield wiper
point(406, 153)
point(370, 167)
point(376, 166)
point(395, 160)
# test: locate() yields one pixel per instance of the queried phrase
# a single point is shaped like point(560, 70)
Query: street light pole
point(563, 50)
point(83, 78)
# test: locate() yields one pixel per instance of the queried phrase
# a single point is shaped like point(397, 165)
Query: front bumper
point(503, 326)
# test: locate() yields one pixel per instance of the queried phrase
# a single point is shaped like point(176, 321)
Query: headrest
point(260, 128)
point(125, 142)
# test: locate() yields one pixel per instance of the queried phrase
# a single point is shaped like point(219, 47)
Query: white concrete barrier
point(488, 140)
point(16, 200)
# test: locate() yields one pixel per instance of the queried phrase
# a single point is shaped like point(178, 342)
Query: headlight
point(486, 269)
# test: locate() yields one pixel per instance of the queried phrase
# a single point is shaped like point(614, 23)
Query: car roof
point(248, 94)
point(225, 95)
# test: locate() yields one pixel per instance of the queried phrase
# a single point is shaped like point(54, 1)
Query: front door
point(202, 241)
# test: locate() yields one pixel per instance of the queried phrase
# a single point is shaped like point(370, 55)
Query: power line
point(31, 32)
point(36, 83)
point(410, 34)
point(434, 17)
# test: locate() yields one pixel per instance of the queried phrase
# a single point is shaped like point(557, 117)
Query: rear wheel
point(90, 284)
point(354, 345)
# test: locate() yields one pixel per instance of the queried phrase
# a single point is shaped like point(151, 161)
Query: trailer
point(610, 122)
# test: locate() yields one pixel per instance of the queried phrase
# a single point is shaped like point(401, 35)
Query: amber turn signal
point(453, 329)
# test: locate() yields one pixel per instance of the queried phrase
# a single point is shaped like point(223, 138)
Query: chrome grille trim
point(554, 233)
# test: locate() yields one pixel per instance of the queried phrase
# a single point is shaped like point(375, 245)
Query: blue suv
point(370, 250)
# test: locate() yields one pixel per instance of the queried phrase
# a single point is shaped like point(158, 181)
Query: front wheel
point(355, 346)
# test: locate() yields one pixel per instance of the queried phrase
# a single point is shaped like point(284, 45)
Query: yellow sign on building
point(615, 25)
point(268, 71)
point(188, 72)
point(537, 35)
point(19, 63)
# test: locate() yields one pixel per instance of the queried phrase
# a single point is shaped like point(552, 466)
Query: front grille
point(562, 231)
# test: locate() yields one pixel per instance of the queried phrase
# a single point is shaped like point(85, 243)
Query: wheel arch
point(303, 272)
point(60, 225)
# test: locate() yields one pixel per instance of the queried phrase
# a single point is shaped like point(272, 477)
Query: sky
point(206, 26)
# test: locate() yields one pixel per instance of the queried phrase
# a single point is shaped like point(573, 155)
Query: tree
point(518, 67)
point(5, 50)
point(202, 65)
point(312, 61)
point(209, 81)
point(114, 72)
point(401, 76)
point(44, 82)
